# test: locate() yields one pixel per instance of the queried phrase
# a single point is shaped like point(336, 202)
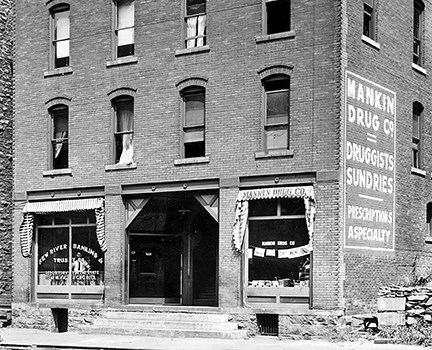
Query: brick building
point(267, 156)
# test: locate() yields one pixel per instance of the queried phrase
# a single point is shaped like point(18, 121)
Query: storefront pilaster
point(115, 239)
point(230, 281)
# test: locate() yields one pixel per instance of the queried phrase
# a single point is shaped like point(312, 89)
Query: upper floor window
point(123, 133)
point(418, 32)
point(416, 135)
point(195, 18)
point(60, 35)
point(193, 122)
point(369, 19)
point(59, 137)
point(277, 16)
point(276, 123)
point(125, 27)
point(429, 218)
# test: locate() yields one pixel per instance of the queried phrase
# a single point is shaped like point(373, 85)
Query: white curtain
point(191, 31)
point(58, 146)
point(201, 29)
point(125, 121)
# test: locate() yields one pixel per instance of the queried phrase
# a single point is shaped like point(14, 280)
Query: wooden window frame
point(417, 135)
point(196, 38)
point(53, 61)
point(54, 140)
point(115, 102)
point(418, 37)
point(116, 30)
point(265, 11)
point(369, 19)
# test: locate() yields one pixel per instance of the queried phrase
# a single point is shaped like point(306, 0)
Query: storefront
point(69, 245)
point(274, 231)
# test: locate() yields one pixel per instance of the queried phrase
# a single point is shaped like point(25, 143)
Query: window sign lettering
point(370, 164)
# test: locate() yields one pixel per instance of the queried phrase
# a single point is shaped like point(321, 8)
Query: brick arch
point(195, 81)
point(275, 70)
point(59, 100)
point(121, 92)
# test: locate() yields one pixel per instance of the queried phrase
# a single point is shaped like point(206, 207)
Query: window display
point(68, 250)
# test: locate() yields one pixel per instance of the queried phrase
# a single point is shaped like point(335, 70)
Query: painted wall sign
point(370, 164)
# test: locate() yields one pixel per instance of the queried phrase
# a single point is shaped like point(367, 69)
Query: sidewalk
point(24, 337)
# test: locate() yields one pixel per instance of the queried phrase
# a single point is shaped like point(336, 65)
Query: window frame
point(56, 140)
point(53, 40)
point(115, 104)
point(116, 31)
point(418, 40)
point(192, 91)
point(369, 30)
point(196, 38)
point(275, 126)
point(265, 17)
point(417, 135)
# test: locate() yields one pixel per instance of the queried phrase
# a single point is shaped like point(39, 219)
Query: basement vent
point(268, 324)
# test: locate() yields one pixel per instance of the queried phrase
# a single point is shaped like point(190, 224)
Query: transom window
point(123, 134)
point(277, 16)
point(125, 28)
point(60, 137)
point(194, 122)
point(60, 35)
point(276, 125)
point(195, 19)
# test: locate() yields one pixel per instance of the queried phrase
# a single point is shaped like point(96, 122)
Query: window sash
point(195, 7)
point(368, 20)
point(277, 107)
point(417, 33)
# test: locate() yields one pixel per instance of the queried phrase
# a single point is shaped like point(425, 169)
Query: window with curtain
point(125, 27)
point(60, 137)
point(195, 19)
point(277, 16)
point(194, 122)
point(276, 125)
point(369, 19)
point(416, 134)
point(123, 134)
point(60, 35)
point(418, 32)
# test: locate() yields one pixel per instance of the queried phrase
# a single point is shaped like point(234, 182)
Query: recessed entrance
point(173, 249)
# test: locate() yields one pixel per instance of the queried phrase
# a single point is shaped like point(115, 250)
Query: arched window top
point(190, 82)
point(57, 5)
point(419, 4)
point(122, 92)
point(278, 70)
point(59, 100)
point(417, 107)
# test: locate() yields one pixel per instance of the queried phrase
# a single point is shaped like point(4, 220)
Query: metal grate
point(268, 324)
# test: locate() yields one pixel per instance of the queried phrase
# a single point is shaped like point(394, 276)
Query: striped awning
point(41, 208)
point(242, 208)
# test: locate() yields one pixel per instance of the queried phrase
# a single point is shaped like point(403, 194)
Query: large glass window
point(60, 35)
point(60, 137)
point(68, 250)
point(195, 19)
point(278, 238)
point(125, 27)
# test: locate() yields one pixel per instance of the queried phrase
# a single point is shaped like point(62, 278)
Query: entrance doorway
point(173, 249)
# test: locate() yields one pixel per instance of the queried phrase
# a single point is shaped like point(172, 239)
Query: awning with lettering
point(242, 208)
point(41, 208)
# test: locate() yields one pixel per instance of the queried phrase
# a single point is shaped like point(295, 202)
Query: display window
point(68, 252)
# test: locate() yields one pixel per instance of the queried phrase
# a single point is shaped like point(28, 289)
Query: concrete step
point(167, 333)
point(166, 316)
point(163, 324)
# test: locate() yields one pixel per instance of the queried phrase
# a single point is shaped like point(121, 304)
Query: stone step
point(159, 324)
point(167, 333)
point(166, 316)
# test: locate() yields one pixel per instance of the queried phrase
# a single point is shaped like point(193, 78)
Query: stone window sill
point(122, 61)
point(58, 72)
point(57, 172)
point(371, 42)
point(419, 69)
point(114, 167)
point(286, 153)
point(417, 171)
point(195, 160)
point(192, 50)
point(270, 37)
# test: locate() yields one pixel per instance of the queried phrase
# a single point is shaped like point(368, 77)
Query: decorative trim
point(192, 50)
point(276, 69)
point(121, 91)
point(58, 71)
point(278, 36)
point(122, 61)
point(59, 100)
point(194, 81)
